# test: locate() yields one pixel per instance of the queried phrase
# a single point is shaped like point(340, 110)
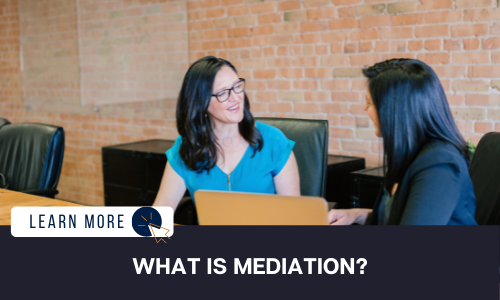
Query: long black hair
point(198, 148)
point(412, 109)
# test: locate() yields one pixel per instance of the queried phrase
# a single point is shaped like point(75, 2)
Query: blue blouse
point(252, 174)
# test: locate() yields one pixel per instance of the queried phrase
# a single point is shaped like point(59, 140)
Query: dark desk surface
point(335, 159)
point(151, 146)
point(373, 172)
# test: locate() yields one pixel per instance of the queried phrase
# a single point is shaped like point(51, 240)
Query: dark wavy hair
point(412, 109)
point(198, 148)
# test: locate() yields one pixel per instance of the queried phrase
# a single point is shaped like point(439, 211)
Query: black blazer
point(436, 190)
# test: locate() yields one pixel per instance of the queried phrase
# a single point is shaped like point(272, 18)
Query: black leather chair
point(485, 174)
point(311, 150)
point(31, 157)
point(3, 122)
point(311, 153)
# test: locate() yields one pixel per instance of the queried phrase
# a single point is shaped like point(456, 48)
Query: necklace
point(227, 141)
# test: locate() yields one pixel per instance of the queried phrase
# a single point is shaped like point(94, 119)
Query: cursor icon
point(159, 232)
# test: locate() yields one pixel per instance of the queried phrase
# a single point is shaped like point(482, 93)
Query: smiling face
point(231, 111)
point(372, 113)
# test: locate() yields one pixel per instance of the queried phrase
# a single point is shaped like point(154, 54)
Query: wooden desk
point(9, 199)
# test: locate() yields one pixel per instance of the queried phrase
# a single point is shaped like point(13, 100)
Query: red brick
point(265, 96)
point(334, 108)
point(433, 45)
point(345, 96)
point(334, 60)
point(280, 107)
point(474, 3)
point(435, 5)
point(238, 11)
point(262, 8)
point(333, 37)
point(452, 45)
point(321, 13)
point(415, 45)
point(364, 34)
point(434, 58)
point(432, 31)
point(482, 15)
point(289, 5)
point(456, 99)
point(398, 46)
point(318, 73)
point(397, 32)
point(346, 12)
point(484, 71)
point(407, 19)
point(341, 133)
point(469, 30)
point(270, 18)
point(444, 16)
point(491, 43)
point(476, 100)
point(315, 3)
point(305, 84)
point(345, 2)
point(364, 59)
point(282, 28)
point(263, 30)
point(321, 49)
point(238, 32)
point(215, 13)
point(343, 24)
point(291, 73)
point(495, 57)
point(347, 121)
point(471, 58)
point(264, 74)
point(308, 39)
point(350, 48)
point(314, 26)
point(450, 71)
point(231, 2)
point(279, 84)
point(375, 21)
point(365, 46)
point(483, 127)
point(381, 46)
point(306, 108)
point(317, 96)
point(471, 44)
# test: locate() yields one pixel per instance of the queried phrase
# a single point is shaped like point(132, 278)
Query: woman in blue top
point(427, 180)
point(220, 146)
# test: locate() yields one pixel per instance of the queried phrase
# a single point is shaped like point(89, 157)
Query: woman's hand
point(348, 216)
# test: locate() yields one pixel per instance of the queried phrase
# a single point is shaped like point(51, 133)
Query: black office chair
point(3, 122)
point(311, 150)
point(485, 174)
point(31, 157)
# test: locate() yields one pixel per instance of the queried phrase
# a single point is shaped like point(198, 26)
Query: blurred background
point(109, 71)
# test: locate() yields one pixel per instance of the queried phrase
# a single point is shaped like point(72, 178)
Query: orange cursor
point(158, 232)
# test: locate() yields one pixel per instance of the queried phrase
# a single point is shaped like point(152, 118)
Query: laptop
point(230, 208)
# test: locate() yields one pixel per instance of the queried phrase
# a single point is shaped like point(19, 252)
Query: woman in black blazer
point(426, 159)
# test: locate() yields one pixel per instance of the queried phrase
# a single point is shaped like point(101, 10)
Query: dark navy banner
point(262, 262)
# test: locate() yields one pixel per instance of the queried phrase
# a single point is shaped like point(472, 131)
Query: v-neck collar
point(237, 165)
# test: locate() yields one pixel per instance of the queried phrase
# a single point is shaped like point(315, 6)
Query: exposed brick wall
point(300, 58)
point(303, 58)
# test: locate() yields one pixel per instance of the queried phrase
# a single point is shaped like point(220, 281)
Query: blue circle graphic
point(141, 219)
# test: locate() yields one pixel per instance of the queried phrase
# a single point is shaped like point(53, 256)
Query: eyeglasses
point(224, 95)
